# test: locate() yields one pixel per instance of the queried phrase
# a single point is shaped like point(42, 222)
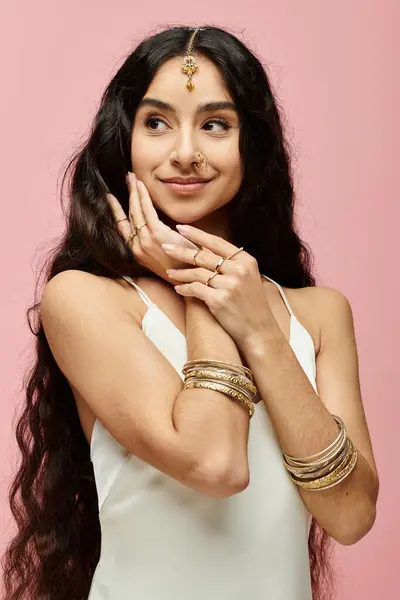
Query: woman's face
point(166, 137)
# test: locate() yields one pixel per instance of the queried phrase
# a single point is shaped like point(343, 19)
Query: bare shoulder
point(317, 308)
point(75, 286)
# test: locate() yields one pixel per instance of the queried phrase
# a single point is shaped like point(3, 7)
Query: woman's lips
point(186, 188)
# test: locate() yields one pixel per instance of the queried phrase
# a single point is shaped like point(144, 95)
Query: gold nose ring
point(202, 163)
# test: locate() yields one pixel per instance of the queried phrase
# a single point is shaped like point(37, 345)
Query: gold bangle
point(310, 474)
point(310, 459)
point(343, 463)
point(224, 376)
point(336, 476)
point(308, 467)
point(236, 388)
point(205, 362)
point(218, 387)
point(345, 474)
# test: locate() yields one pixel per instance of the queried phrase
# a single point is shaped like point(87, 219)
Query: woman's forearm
point(345, 511)
point(213, 425)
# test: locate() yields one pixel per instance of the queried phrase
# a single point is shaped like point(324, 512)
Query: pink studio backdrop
point(334, 67)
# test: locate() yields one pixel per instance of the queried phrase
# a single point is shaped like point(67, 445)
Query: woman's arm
point(208, 419)
point(303, 419)
point(196, 436)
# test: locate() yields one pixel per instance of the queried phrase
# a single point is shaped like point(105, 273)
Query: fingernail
point(138, 183)
point(167, 247)
point(183, 228)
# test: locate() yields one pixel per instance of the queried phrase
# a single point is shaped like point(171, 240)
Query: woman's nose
point(184, 152)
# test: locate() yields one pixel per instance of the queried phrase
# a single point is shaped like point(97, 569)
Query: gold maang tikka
point(189, 65)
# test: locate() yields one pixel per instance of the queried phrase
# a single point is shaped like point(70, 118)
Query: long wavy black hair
point(53, 495)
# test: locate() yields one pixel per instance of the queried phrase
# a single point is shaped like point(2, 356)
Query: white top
point(161, 540)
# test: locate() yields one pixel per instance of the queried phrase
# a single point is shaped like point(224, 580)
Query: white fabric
point(164, 541)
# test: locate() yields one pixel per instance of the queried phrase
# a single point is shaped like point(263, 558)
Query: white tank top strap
point(282, 293)
point(139, 290)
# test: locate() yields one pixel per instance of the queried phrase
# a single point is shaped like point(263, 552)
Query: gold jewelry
point(134, 232)
point(217, 268)
point(124, 219)
point(224, 375)
point(221, 260)
point(299, 467)
point(194, 257)
point(237, 388)
point(211, 276)
point(131, 236)
point(205, 362)
point(305, 461)
point(202, 164)
point(225, 389)
point(332, 466)
point(189, 64)
point(337, 476)
point(325, 470)
point(313, 472)
point(231, 379)
point(234, 253)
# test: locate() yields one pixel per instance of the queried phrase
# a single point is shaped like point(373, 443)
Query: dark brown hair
point(53, 496)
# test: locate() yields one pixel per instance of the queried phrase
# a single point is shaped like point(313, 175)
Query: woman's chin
point(185, 216)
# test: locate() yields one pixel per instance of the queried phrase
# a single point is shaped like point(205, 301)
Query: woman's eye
point(220, 122)
point(151, 122)
point(213, 125)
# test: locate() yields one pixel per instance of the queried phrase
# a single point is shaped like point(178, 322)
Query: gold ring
point(124, 219)
point(234, 253)
point(131, 236)
point(217, 268)
point(209, 279)
point(138, 227)
point(194, 257)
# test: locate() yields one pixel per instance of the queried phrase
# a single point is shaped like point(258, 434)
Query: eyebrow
point(201, 108)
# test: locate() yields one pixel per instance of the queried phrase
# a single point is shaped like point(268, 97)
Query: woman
point(173, 402)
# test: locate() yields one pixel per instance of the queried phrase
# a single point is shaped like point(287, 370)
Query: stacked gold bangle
point(327, 468)
point(233, 380)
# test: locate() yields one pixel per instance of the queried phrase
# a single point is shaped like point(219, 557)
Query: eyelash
point(219, 120)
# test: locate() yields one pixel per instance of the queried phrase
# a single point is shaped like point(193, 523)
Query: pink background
point(333, 64)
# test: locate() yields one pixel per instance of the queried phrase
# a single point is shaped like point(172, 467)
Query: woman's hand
point(146, 245)
point(235, 296)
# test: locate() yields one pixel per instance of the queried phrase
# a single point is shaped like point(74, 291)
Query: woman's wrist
point(205, 335)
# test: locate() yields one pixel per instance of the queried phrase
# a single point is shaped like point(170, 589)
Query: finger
point(122, 221)
point(149, 213)
point(205, 258)
point(213, 242)
point(173, 237)
point(196, 290)
point(189, 275)
point(218, 282)
point(135, 208)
